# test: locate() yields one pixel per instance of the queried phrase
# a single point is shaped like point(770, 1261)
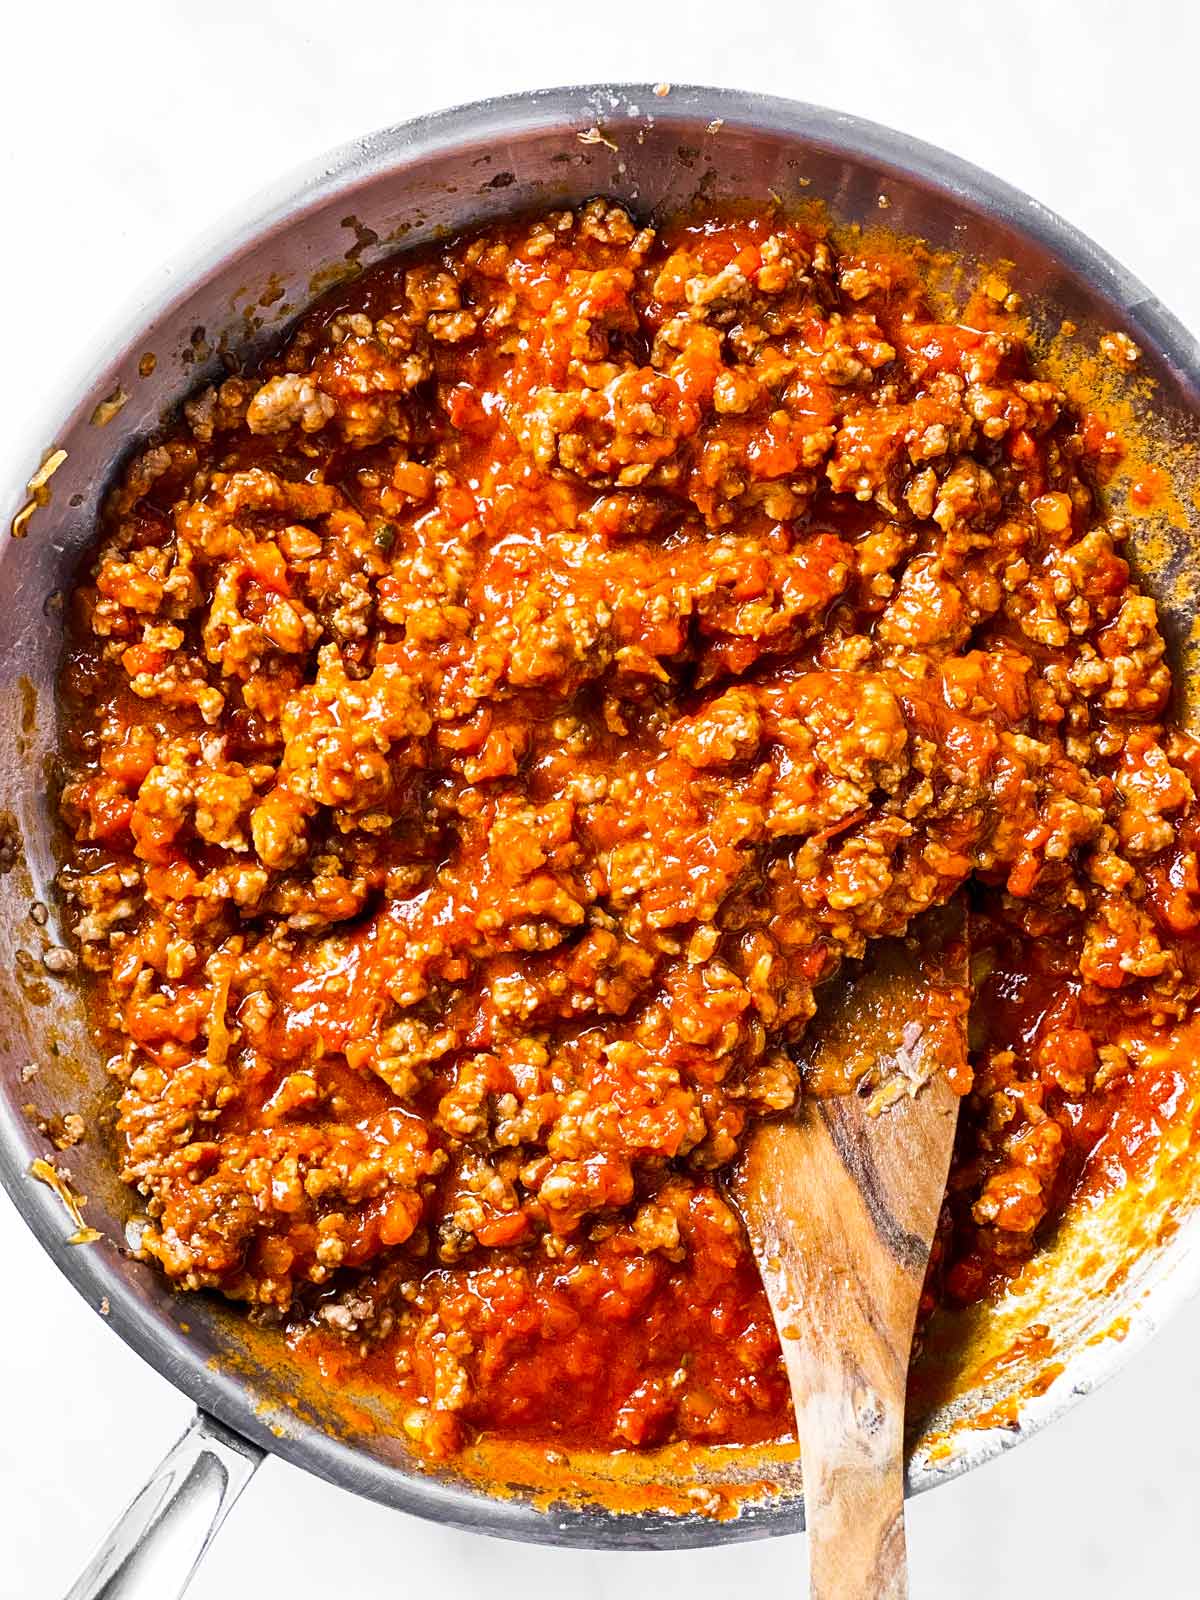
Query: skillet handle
point(152, 1551)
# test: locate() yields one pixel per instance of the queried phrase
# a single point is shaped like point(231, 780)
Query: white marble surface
point(123, 129)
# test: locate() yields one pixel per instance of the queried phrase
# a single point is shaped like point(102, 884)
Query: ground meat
point(492, 720)
point(291, 400)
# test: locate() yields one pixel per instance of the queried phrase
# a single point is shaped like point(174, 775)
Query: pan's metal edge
point(309, 183)
point(89, 1269)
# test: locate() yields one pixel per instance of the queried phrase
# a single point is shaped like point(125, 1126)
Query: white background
point(124, 130)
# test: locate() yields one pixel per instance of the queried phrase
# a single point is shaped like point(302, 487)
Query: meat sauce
point(490, 721)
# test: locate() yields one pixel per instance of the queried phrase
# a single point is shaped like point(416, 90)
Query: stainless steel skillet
point(1127, 1261)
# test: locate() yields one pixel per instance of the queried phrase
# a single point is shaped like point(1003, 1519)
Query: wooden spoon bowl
point(841, 1202)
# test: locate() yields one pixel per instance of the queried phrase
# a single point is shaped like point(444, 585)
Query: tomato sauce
point(492, 719)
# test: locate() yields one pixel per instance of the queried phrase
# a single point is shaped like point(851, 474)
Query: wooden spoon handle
point(841, 1208)
point(851, 1432)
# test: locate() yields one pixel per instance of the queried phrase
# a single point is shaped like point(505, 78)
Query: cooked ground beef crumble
point(488, 724)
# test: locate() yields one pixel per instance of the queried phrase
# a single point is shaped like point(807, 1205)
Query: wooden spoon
point(841, 1203)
